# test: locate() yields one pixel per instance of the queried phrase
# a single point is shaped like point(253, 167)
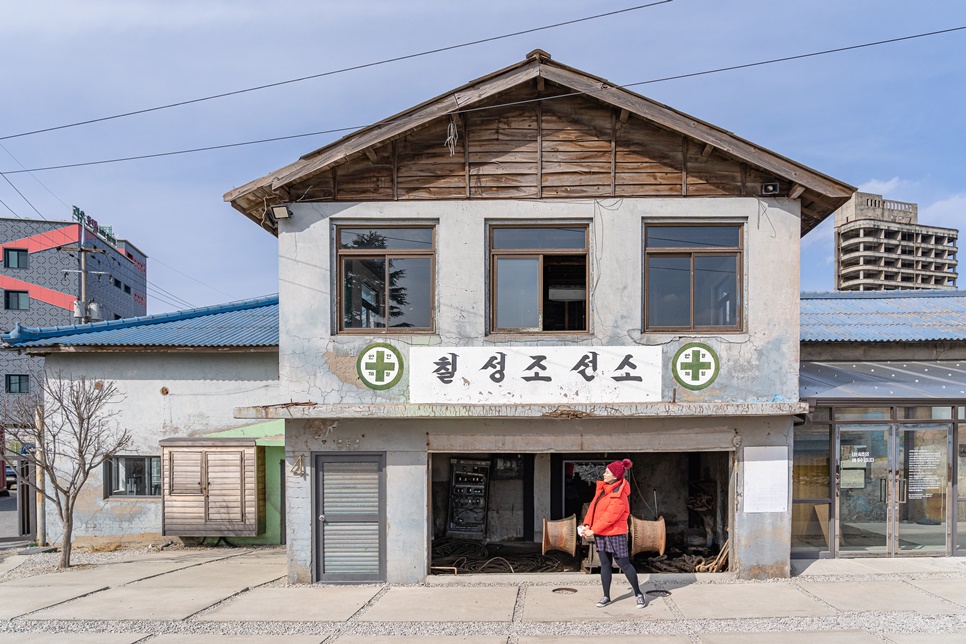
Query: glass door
point(863, 480)
point(892, 489)
point(921, 488)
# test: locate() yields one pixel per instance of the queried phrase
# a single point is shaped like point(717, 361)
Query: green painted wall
point(273, 501)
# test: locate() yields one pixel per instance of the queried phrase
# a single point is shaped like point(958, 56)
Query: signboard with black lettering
point(535, 375)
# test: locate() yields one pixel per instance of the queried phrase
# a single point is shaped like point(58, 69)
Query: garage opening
point(487, 510)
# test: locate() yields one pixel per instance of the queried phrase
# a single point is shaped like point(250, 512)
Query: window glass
point(539, 278)
point(410, 304)
point(17, 384)
point(14, 258)
point(364, 297)
point(821, 414)
point(668, 292)
point(693, 236)
point(518, 293)
point(810, 526)
point(386, 238)
point(692, 277)
point(926, 413)
point(715, 290)
point(540, 238)
point(810, 466)
point(16, 300)
point(133, 476)
point(862, 413)
point(387, 278)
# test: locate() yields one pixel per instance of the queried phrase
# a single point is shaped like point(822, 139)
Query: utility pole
point(41, 537)
point(82, 251)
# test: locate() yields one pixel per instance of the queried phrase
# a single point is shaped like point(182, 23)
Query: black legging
point(626, 567)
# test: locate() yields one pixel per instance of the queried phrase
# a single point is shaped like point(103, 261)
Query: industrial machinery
point(469, 490)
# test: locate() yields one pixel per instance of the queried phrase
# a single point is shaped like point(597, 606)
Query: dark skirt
point(616, 544)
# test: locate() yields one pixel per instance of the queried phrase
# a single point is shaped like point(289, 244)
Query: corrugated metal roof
point(883, 316)
point(248, 323)
point(894, 379)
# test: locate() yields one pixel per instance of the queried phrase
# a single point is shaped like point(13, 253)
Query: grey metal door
point(350, 513)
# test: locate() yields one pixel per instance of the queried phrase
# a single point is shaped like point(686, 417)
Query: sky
point(886, 119)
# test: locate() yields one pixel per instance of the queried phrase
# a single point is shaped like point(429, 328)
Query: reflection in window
point(132, 476)
point(810, 469)
point(692, 277)
point(386, 278)
point(539, 278)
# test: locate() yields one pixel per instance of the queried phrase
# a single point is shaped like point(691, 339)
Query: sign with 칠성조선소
point(534, 375)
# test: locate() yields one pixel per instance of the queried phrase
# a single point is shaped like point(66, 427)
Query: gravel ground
point(947, 628)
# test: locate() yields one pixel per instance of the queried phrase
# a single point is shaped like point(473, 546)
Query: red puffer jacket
point(608, 512)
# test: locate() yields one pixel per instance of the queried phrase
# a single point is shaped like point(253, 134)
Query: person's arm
point(612, 514)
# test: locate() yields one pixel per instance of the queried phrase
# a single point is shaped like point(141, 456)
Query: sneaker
point(641, 601)
point(603, 602)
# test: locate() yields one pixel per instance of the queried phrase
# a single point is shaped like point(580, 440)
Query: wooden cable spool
point(647, 536)
point(560, 535)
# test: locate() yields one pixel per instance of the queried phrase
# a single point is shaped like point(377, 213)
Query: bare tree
point(70, 429)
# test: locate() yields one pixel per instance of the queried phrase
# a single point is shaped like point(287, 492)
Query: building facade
point(880, 246)
point(40, 281)
point(489, 296)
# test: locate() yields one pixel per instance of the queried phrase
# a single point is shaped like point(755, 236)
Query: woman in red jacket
point(606, 522)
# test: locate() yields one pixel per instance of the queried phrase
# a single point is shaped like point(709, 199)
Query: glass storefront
point(886, 492)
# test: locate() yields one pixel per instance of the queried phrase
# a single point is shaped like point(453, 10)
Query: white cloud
point(947, 212)
point(880, 187)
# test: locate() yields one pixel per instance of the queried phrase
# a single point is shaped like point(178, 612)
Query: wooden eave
point(819, 194)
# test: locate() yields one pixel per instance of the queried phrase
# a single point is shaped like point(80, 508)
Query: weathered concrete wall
point(760, 541)
point(203, 389)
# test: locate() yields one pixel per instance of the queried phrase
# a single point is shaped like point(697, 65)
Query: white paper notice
point(766, 479)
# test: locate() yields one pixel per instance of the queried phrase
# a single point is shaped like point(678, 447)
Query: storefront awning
point(893, 379)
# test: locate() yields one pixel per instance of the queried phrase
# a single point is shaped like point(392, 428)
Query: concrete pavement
point(237, 596)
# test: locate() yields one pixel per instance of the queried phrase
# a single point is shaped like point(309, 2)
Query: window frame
point(6, 300)
point(108, 477)
point(6, 258)
point(738, 252)
point(8, 378)
point(386, 255)
point(495, 254)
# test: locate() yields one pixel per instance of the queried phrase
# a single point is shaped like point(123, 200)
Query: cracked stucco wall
point(758, 365)
point(203, 389)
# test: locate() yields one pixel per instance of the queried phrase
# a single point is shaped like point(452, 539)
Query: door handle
point(322, 518)
point(882, 490)
point(903, 490)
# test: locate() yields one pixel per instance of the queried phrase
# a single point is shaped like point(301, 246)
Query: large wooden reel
point(560, 535)
point(647, 536)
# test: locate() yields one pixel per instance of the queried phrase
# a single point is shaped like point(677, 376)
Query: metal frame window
point(539, 277)
point(693, 277)
point(386, 278)
point(16, 300)
point(15, 258)
point(127, 476)
point(17, 383)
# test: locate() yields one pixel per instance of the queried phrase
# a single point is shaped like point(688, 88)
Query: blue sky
point(888, 119)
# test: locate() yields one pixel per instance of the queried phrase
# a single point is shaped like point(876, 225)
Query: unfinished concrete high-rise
point(880, 246)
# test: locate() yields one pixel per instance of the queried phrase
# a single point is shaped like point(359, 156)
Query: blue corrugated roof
point(248, 323)
point(883, 316)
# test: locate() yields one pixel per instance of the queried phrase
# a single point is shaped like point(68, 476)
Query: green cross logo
point(695, 366)
point(380, 366)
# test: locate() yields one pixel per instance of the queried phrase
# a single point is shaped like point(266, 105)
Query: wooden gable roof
point(539, 130)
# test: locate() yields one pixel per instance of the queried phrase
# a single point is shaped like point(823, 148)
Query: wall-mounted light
point(770, 188)
point(281, 211)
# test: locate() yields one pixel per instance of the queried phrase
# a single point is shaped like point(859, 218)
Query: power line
point(154, 259)
point(338, 71)
point(488, 107)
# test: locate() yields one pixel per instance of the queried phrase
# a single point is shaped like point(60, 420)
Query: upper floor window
point(17, 383)
point(132, 476)
point(16, 300)
point(538, 278)
point(386, 278)
point(14, 258)
point(692, 277)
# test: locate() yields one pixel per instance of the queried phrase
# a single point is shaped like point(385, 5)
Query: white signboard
point(534, 375)
point(766, 479)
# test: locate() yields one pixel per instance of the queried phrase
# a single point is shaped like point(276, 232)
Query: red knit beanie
point(617, 468)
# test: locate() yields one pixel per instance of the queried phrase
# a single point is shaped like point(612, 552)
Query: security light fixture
point(281, 211)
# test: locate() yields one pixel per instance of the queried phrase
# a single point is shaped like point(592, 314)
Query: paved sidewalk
point(236, 596)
